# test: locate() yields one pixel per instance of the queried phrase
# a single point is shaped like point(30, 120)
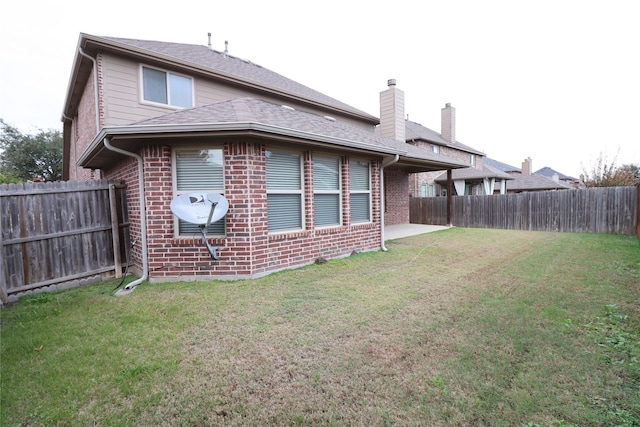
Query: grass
point(458, 327)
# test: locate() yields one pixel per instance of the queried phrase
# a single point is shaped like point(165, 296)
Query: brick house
point(476, 178)
point(306, 176)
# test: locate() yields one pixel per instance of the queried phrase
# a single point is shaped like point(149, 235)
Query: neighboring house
point(477, 178)
point(525, 180)
point(504, 167)
point(306, 176)
point(557, 176)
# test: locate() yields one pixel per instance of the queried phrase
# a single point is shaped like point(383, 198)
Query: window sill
point(194, 241)
point(289, 235)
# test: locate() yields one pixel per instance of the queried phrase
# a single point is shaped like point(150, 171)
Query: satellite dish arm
point(213, 208)
point(213, 250)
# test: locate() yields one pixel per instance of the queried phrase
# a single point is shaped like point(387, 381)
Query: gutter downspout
point(382, 206)
point(95, 84)
point(143, 218)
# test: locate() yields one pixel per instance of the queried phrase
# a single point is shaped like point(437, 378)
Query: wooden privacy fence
point(593, 210)
point(57, 235)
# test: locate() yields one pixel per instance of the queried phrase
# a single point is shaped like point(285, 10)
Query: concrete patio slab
point(399, 231)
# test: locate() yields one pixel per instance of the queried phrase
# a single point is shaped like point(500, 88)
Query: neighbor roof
point(535, 182)
point(548, 172)
point(258, 118)
point(417, 132)
point(499, 165)
point(469, 173)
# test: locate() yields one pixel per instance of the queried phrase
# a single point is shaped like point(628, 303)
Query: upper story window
point(436, 149)
point(166, 88)
point(198, 170)
point(284, 191)
point(359, 191)
point(326, 191)
point(472, 159)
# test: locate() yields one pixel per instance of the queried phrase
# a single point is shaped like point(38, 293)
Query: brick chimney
point(392, 123)
point(527, 166)
point(448, 123)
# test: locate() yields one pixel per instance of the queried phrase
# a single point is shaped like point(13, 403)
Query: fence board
point(55, 232)
point(612, 210)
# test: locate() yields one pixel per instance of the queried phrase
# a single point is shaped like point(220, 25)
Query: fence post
point(638, 210)
point(449, 196)
point(3, 282)
point(115, 230)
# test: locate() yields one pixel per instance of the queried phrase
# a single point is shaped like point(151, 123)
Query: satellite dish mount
point(201, 209)
point(213, 250)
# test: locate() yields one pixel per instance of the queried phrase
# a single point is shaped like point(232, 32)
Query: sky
point(554, 80)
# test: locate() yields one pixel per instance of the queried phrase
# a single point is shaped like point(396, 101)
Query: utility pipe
point(143, 218)
point(382, 206)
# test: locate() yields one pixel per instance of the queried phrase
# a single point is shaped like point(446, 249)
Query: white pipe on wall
point(143, 218)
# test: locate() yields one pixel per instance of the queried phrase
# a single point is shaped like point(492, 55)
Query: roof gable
point(548, 172)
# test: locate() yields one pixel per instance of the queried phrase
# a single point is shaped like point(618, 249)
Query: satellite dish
point(201, 209)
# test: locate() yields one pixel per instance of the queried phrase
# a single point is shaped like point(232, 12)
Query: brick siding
point(396, 184)
point(247, 249)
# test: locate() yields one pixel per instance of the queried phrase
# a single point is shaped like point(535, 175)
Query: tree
point(6, 179)
point(628, 174)
point(605, 174)
point(30, 157)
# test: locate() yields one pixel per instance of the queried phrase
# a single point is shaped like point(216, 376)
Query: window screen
point(199, 170)
point(360, 191)
point(326, 191)
point(284, 191)
point(167, 88)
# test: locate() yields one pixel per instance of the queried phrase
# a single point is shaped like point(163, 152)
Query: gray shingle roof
point(499, 165)
point(475, 174)
point(416, 131)
point(230, 66)
point(548, 172)
point(535, 183)
point(258, 111)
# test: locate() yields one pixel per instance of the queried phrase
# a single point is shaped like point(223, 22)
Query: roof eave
point(202, 129)
point(96, 148)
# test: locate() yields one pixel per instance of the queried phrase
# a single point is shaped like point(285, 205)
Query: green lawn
point(464, 327)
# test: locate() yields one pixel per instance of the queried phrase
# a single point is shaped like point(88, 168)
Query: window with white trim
point(436, 149)
point(326, 191)
point(359, 191)
point(284, 191)
point(198, 170)
point(472, 159)
point(167, 88)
